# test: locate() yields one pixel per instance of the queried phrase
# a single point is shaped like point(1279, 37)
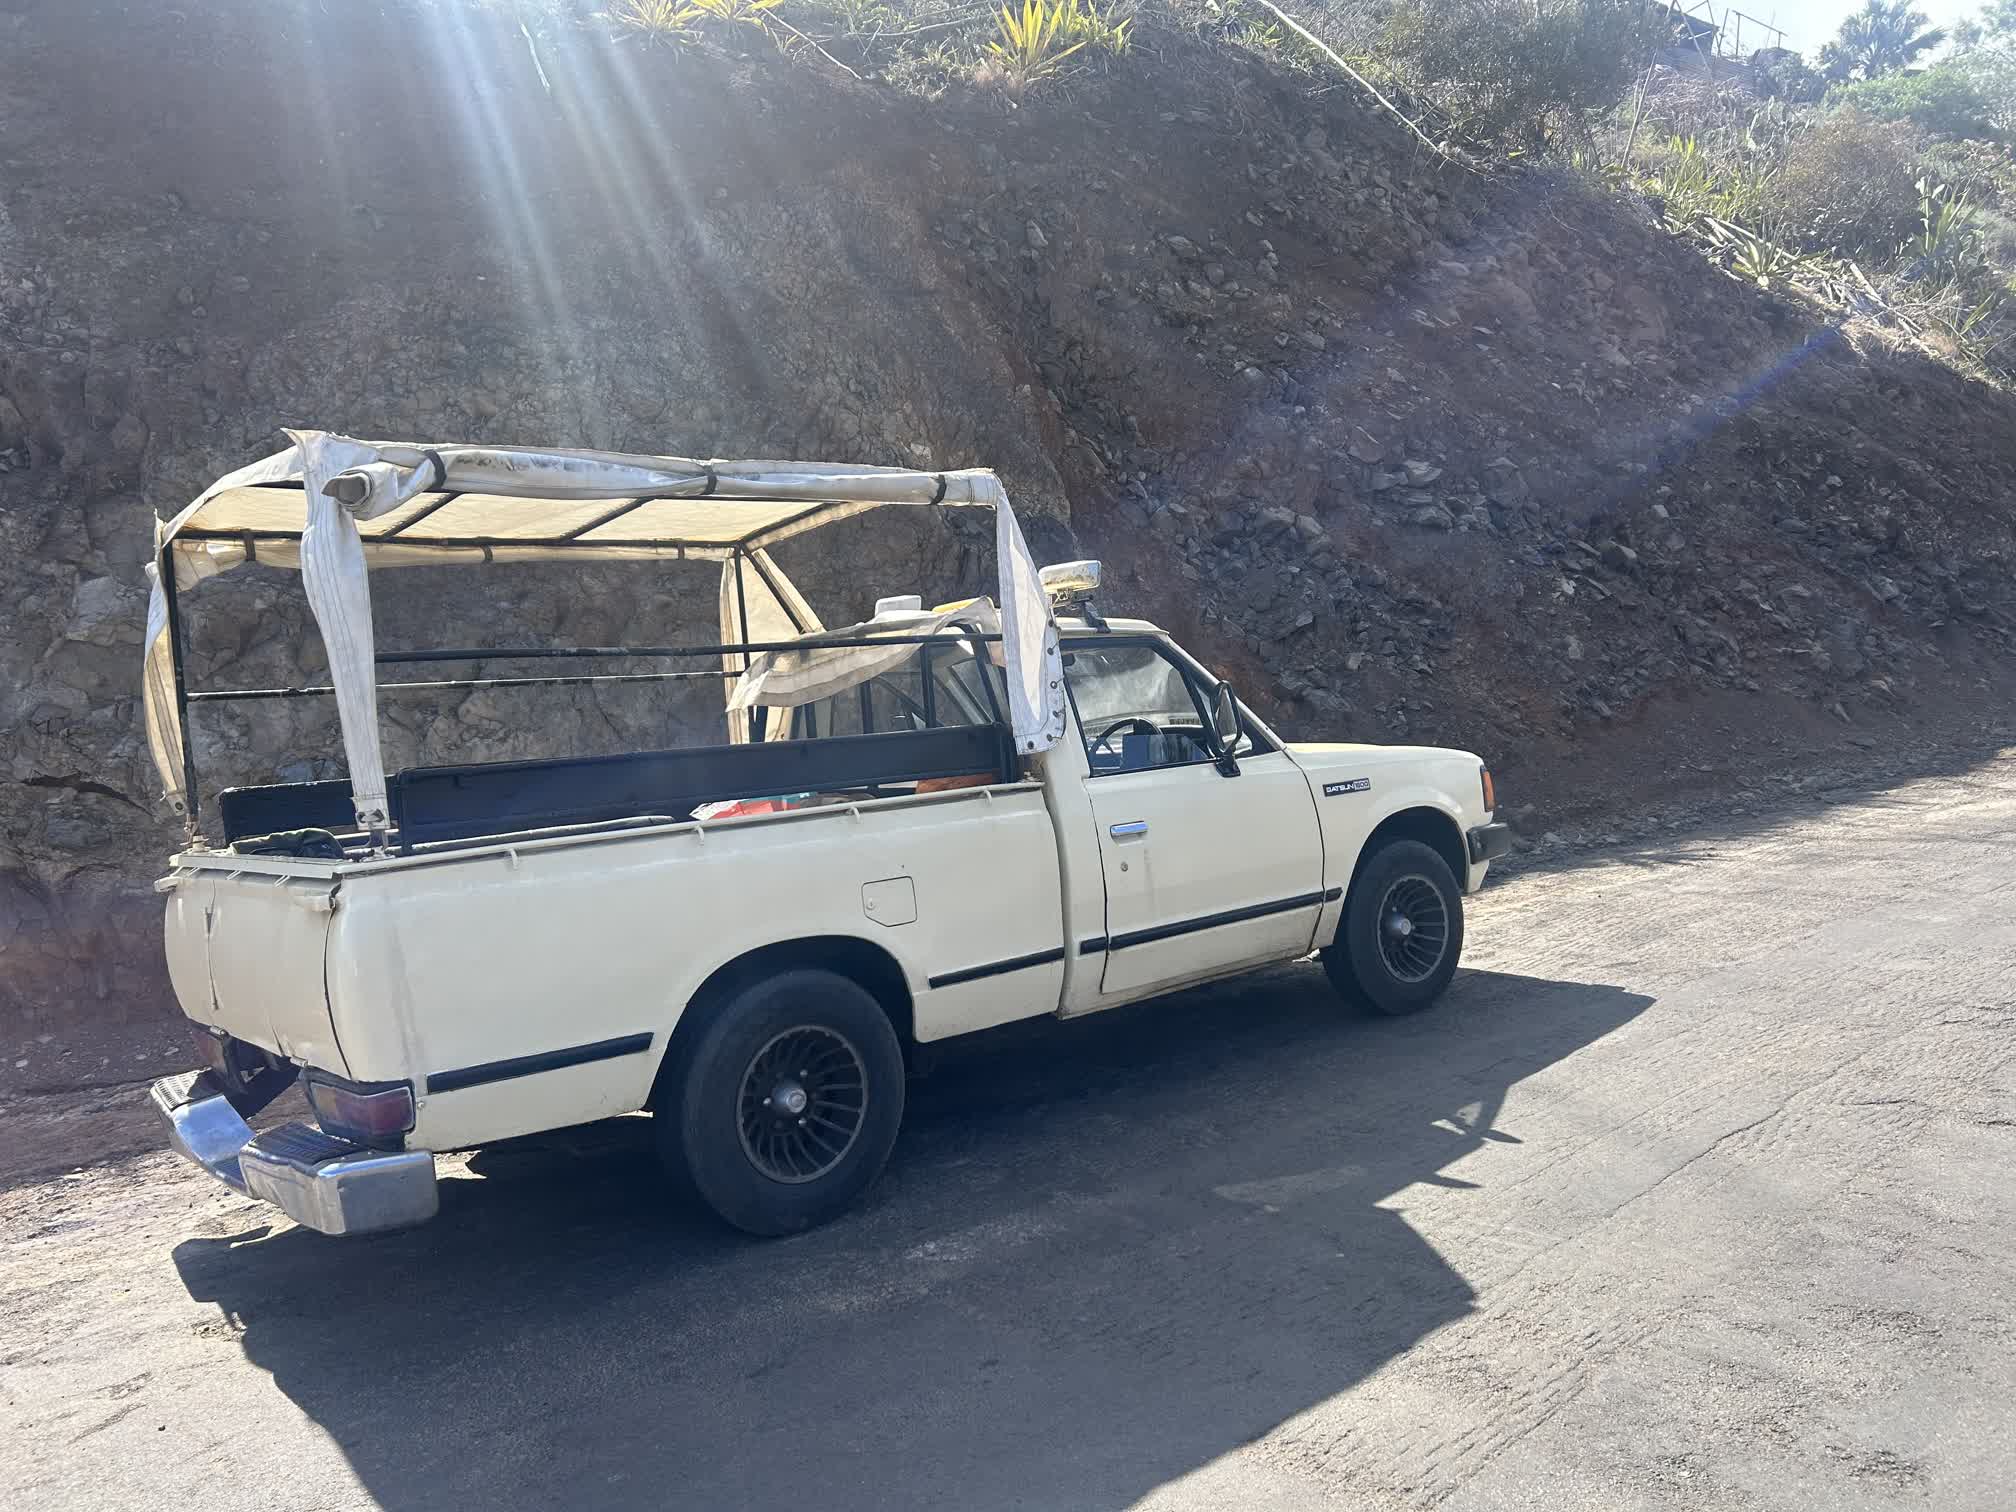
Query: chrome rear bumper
point(202, 1125)
point(318, 1180)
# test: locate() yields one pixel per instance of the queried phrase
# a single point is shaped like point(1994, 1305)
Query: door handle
point(1131, 827)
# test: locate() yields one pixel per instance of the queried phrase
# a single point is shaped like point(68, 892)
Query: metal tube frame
point(742, 605)
point(324, 690)
point(739, 551)
point(776, 593)
point(472, 653)
point(418, 515)
point(724, 648)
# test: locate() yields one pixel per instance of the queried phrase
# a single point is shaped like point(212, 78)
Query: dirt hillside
point(1413, 452)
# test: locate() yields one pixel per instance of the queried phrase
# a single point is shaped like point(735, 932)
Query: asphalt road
point(1694, 1193)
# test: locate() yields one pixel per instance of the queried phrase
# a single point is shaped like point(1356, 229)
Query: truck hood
point(1326, 754)
point(1446, 779)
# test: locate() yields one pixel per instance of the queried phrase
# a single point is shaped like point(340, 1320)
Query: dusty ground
point(1693, 1194)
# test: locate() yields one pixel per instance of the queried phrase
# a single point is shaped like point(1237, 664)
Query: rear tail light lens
point(1490, 790)
point(373, 1113)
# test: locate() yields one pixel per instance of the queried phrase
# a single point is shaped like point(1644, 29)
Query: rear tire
point(1402, 931)
point(787, 1105)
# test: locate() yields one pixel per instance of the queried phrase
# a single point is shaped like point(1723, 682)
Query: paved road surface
point(1695, 1193)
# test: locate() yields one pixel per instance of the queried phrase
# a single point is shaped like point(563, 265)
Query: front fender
point(1363, 792)
point(1410, 810)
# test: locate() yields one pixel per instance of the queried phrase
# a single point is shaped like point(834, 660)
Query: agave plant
point(658, 20)
point(1948, 236)
point(680, 20)
point(750, 12)
point(1758, 259)
point(1033, 42)
point(1100, 30)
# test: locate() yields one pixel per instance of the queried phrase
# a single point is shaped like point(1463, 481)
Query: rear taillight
point(1490, 790)
point(367, 1112)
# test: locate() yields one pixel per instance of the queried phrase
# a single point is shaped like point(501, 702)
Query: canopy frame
point(346, 487)
point(796, 524)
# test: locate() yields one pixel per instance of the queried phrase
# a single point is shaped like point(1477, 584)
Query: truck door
point(1203, 872)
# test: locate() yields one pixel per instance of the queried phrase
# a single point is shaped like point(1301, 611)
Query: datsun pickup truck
point(919, 826)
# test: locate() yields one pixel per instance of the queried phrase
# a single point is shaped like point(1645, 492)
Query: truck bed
point(524, 982)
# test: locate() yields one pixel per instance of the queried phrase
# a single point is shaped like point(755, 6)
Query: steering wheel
point(1139, 727)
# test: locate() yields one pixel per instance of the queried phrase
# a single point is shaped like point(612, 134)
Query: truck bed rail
point(434, 804)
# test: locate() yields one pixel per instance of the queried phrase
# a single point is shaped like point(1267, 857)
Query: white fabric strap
point(157, 688)
point(339, 591)
point(810, 673)
point(776, 611)
point(1028, 638)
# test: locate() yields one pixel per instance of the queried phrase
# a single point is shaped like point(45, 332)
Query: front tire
point(1402, 931)
point(787, 1105)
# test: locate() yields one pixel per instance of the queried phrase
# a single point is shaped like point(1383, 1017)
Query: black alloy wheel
point(1401, 934)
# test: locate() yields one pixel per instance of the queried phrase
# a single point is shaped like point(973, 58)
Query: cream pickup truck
point(919, 826)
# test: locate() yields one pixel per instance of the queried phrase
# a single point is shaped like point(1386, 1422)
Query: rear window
point(943, 686)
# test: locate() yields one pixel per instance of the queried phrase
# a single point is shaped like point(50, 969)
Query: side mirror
point(1225, 716)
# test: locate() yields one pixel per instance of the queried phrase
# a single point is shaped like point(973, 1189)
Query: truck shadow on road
point(1105, 1254)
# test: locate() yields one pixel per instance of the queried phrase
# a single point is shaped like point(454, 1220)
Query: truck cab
point(1217, 847)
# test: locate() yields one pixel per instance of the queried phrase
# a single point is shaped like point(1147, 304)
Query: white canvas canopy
point(333, 508)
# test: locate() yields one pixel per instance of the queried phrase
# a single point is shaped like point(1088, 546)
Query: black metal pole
point(165, 566)
point(323, 690)
point(810, 642)
point(742, 605)
point(777, 593)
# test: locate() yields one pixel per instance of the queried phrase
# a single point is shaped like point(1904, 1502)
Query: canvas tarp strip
point(806, 674)
point(1029, 646)
point(339, 591)
point(776, 611)
point(160, 712)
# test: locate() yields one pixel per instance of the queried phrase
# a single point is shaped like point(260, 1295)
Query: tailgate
point(246, 954)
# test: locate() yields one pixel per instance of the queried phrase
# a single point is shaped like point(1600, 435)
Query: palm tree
point(1995, 27)
point(1882, 37)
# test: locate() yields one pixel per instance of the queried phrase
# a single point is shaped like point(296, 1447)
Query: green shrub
point(1992, 73)
point(1506, 68)
point(1848, 186)
point(1942, 99)
point(860, 17)
point(1781, 74)
point(1986, 169)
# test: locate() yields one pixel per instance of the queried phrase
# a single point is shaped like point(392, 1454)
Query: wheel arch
point(862, 961)
point(1433, 827)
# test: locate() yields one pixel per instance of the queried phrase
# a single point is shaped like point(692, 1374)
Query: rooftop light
point(1070, 582)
